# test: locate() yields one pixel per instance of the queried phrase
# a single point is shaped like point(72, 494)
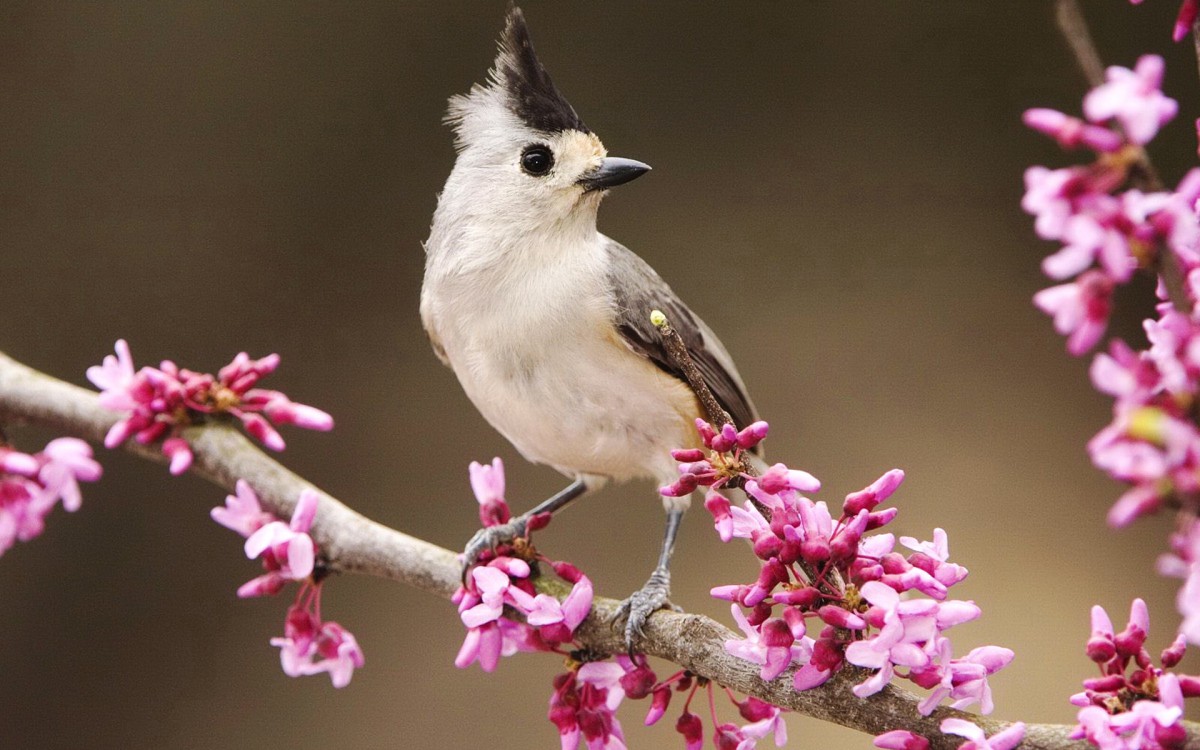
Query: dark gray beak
point(613, 171)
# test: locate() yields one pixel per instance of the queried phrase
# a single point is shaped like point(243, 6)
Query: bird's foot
point(489, 538)
point(647, 600)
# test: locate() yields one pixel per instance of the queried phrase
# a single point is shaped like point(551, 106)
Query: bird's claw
point(647, 600)
point(488, 538)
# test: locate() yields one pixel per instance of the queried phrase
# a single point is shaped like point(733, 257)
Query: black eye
point(537, 160)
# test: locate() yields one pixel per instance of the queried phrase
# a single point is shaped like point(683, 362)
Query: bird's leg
point(655, 594)
point(488, 538)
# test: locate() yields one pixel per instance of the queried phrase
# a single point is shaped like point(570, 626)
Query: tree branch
point(356, 544)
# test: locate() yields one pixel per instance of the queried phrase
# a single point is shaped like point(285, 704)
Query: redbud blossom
point(901, 739)
point(310, 646)
point(1133, 705)
point(1071, 132)
point(1080, 309)
point(1005, 739)
point(162, 401)
point(287, 551)
point(867, 621)
point(487, 482)
point(242, 512)
point(1133, 98)
point(31, 485)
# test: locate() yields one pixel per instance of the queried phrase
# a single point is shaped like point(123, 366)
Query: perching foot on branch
point(491, 537)
point(647, 600)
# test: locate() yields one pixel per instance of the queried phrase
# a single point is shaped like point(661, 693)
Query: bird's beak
point(612, 171)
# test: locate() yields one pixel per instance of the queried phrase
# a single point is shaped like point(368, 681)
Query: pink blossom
point(1080, 309)
point(962, 680)
point(1071, 132)
point(901, 739)
point(1054, 196)
point(774, 650)
point(583, 707)
point(1188, 11)
point(934, 558)
point(487, 482)
point(310, 647)
point(772, 725)
point(242, 512)
point(1089, 237)
point(1005, 739)
point(162, 400)
point(1133, 97)
point(64, 463)
point(31, 485)
point(288, 552)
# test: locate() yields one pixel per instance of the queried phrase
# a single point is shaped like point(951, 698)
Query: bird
point(545, 321)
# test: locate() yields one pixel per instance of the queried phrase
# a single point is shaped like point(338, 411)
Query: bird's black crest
point(531, 93)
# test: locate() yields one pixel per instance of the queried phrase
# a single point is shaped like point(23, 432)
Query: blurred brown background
point(204, 178)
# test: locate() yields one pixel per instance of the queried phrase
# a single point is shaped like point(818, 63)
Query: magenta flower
point(1080, 309)
point(1005, 739)
point(162, 401)
point(555, 620)
point(934, 558)
point(310, 647)
point(1087, 238)
point(288, 552)
point(487, 482)
point(775, 646)
point(1188, 11)
point(772, 725)
point(901, 739)
point(242, 512)
point(31, 485)
point(802, 542)
point(1133, 705)
point(962, 680)
point(64, 463)
point(1133, 97)
point(1071, 132)
point(583, 707)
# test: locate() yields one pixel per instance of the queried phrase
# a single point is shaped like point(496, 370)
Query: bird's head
point(523, 152)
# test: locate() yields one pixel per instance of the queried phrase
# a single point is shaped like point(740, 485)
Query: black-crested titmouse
point(545, 321)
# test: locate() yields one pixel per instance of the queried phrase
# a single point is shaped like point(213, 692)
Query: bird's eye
point(537, 160)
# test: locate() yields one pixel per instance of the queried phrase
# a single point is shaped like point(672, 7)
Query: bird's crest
point(522, 81)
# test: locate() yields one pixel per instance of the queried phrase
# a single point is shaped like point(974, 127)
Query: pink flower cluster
point(309, 645)
point(584, 703)
point(585, 698)
point(31, 485)
point(505, 579)
point(826, 571)
point(1106, 234)
point(1153, 442)
point(1005, 739)
point(1188, 11)
point(1132, 709)
point(162, 400)
point(762, 719)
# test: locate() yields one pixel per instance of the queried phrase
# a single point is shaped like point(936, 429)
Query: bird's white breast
point(528, 330)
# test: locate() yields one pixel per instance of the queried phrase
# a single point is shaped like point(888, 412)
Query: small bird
point(546, 321)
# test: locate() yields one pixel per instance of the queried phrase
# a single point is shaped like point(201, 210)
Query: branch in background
point(1075, 31)
point(356, 544)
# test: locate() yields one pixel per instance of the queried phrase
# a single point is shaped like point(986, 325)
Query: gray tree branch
point(356, 544)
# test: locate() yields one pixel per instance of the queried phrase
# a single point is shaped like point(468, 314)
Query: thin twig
point(678, 352)
point(356, 544)
point(1074, 28)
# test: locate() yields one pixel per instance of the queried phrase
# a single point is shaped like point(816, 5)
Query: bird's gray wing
point(637, 290)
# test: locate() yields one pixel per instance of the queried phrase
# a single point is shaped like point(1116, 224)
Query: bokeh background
point(205, 178)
